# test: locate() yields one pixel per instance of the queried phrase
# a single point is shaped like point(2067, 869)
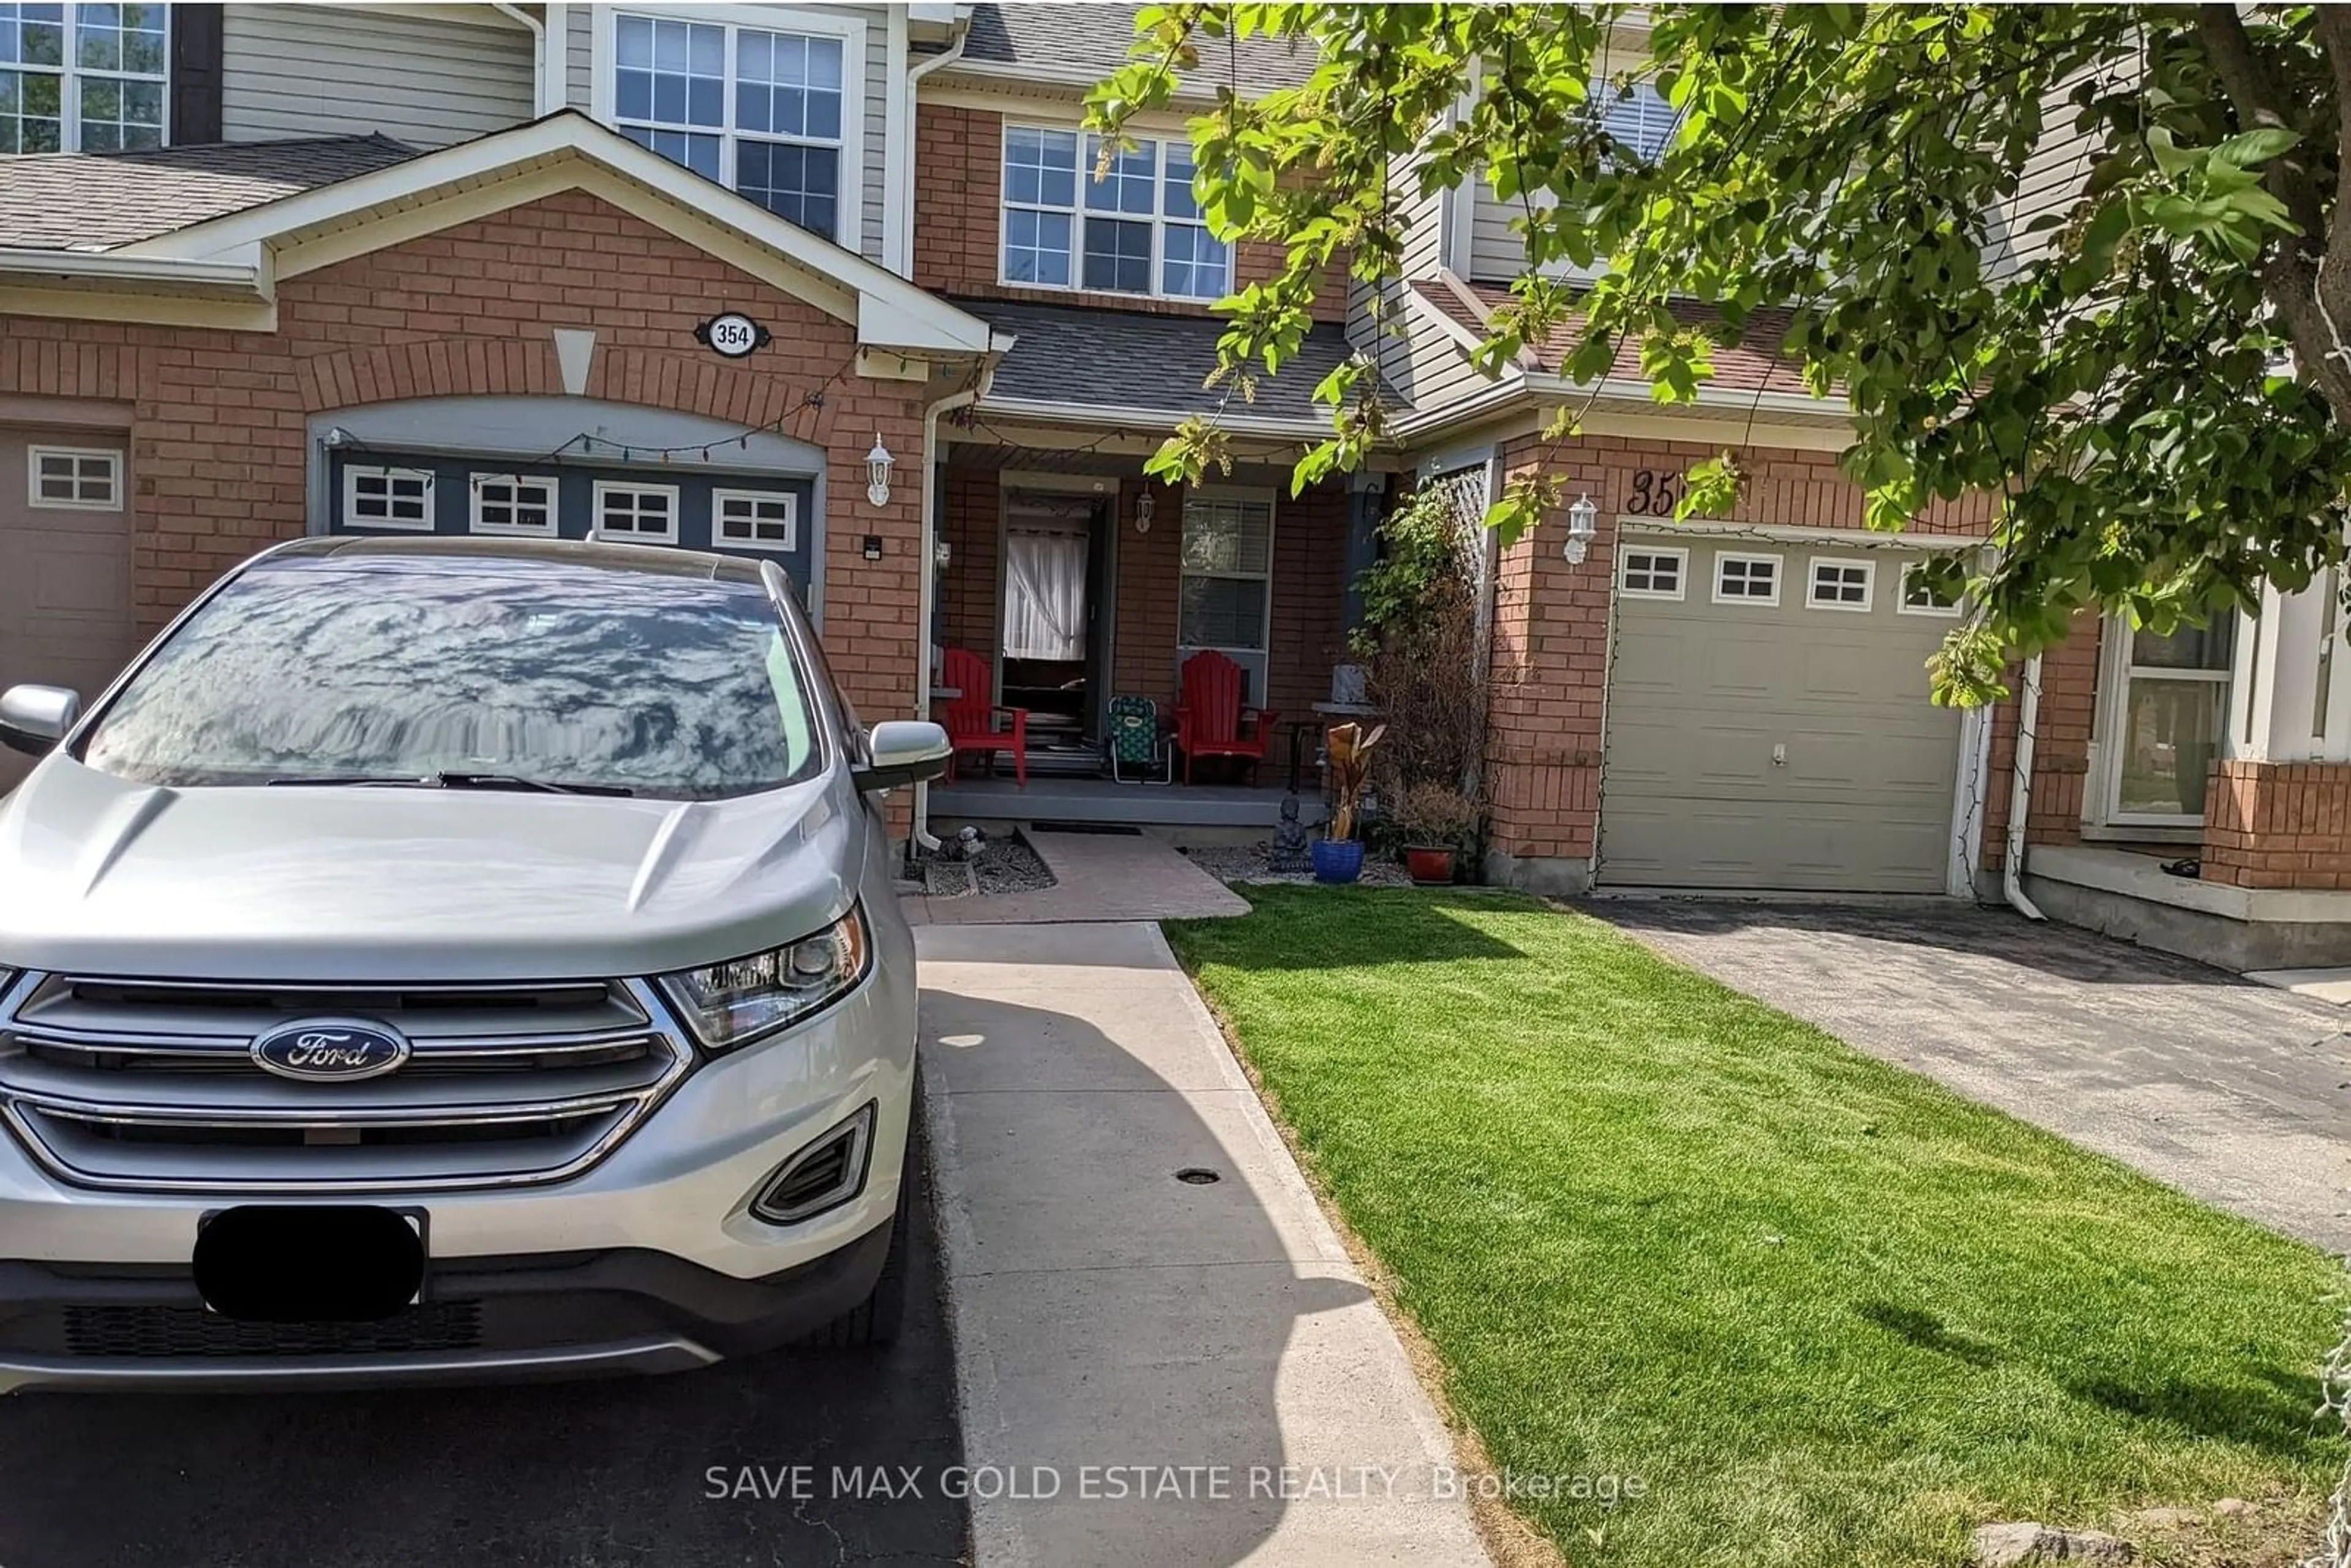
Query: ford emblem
point(336, 1051)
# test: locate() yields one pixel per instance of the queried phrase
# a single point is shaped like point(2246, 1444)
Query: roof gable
point(96, 201)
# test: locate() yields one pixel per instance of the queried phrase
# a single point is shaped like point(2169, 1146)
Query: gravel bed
point(1250, 862)
point(1006, 865)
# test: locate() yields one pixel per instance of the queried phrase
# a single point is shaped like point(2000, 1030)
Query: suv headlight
point(735, 1002)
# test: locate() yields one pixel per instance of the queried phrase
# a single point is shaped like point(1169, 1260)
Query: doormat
point(1112, 828)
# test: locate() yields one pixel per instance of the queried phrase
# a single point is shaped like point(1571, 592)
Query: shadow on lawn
point(1925, 1331)
point(2060, 951)
point(2271, 1420)
point(1381, 928)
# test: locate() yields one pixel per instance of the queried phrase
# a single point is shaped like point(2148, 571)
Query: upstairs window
point(1637, 117)
point(759, 111)
point(1136, 230)
point(82, 78)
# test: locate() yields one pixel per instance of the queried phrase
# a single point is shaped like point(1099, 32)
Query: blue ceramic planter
point(1338, 860)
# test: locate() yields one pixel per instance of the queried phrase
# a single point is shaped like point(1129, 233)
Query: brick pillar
point(2279, 824)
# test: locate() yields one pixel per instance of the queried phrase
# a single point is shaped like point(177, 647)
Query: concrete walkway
point(1170, 1372)
point(1097, 877)
point(2229, 1089)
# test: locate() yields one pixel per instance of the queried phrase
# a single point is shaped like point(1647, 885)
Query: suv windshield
point(455, 670)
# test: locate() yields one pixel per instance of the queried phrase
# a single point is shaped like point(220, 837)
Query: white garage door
point(65, 564)
point(1768, 722)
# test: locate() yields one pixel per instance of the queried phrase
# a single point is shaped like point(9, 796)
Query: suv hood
point(102, 875)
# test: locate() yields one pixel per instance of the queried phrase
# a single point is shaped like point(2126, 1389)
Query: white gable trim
point(568, 151)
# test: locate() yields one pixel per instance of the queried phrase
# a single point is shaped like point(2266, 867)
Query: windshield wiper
point(516, 782)
point(455, 781)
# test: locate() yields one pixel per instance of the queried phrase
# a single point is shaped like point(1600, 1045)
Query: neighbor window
point(2167, 704)
point(1136, 230)
point(758, 110)
point(513, 504)
point(1228, 554)
point(82, 78)
point(1652, 573)
point(1637, 117)
point(1841, 584)
point(1747, 577)
point(755, 520)
point(74, 478)
point(638, 513)
point(387, 497)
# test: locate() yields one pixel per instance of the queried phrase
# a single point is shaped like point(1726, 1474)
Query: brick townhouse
point(685, 275)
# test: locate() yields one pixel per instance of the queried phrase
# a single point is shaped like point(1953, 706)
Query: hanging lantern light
point(877, 472)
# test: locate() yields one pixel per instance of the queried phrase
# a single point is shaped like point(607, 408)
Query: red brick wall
point(2279, 824)
point(1150, 567)
point(971, 523)
point(1310, 564)
point(1551, 622)
point(219, 420)
point(958, 170)
point(2061, 745)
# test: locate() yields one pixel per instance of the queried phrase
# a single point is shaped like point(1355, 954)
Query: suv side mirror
point(904, 751)
point(34, 719)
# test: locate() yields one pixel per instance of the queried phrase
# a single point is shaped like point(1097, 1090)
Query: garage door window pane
point(641, 514)
point(756, 519)
point(513, 504)
point(76, 478)
point(1653, 573)
point(387, 498)
point(1747, 577)
point(1841, 584)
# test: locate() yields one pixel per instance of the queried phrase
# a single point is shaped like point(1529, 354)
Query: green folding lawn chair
point(1134, 742)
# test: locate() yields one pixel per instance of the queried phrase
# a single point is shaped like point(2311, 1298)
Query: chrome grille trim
point(158, 1109)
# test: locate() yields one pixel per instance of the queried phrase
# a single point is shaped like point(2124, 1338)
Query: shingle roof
point(1096, 38)
point(1754, 364)
point(1125, 358)
point(77, 200)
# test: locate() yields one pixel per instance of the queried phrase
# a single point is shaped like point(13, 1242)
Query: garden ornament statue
point(1290, 851)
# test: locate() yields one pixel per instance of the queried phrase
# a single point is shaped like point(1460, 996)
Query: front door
point(1050, 641)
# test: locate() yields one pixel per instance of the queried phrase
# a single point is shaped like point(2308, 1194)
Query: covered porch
point(1071, 588)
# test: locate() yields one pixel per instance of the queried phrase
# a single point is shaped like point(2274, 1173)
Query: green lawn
point(1829, 1313)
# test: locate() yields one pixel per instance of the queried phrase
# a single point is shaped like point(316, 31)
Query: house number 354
point(1654, 493)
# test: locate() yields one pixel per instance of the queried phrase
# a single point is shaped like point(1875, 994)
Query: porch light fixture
point(1144, 506)
point(877, 472)
point(1582, 523)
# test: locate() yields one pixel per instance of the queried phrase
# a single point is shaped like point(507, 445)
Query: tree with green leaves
point(2152, 375)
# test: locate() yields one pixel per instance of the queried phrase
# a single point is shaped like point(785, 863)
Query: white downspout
point(926, 582)
point(539, 36)
point(2020, 794)
point(902, 152)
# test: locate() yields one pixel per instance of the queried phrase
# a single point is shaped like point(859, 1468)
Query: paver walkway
point(1097, 877)
point(2231, 1090)
point(1171, 1373)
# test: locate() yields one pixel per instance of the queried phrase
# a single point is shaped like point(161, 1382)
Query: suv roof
point(663, 560)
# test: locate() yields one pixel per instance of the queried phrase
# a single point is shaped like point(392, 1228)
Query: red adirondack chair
point(970, 719)
point(1210, 720)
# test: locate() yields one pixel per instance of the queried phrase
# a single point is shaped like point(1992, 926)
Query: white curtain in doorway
point(1044, 595)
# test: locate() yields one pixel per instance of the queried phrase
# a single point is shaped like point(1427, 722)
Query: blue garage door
point(761, 517)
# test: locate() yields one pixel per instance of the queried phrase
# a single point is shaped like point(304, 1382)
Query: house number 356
point(1656, 493)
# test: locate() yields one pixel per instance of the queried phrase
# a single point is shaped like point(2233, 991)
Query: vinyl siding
point(2053, 180)
point(580, 86)
point(1410, 350)
point(1495, 253)
point(426, 78)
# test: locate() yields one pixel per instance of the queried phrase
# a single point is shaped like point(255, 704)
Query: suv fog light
point(825, 1175)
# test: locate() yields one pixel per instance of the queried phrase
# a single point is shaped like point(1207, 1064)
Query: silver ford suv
point(452, 958)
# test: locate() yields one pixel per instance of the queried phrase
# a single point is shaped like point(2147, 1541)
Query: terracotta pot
point(1431, 866)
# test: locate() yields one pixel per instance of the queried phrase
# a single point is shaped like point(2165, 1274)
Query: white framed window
point(756, 520)
point(387, 497)
point(1841, 584)
point(1224, 591)
point(83, 79)
point(764, 112)
point(1638, 116)
point(1653, 571)
point(1136, 230)
point(2165, 701)
point(514, 504)
point(1922, 596)
point(634, 514)
point(1746, 578)
point(73, 478)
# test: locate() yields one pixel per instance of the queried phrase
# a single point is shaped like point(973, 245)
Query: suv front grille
point(152, 1085)
point(140, 1331)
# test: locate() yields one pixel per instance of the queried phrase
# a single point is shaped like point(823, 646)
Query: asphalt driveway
point(695, 1470)
point(2224, 1088)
